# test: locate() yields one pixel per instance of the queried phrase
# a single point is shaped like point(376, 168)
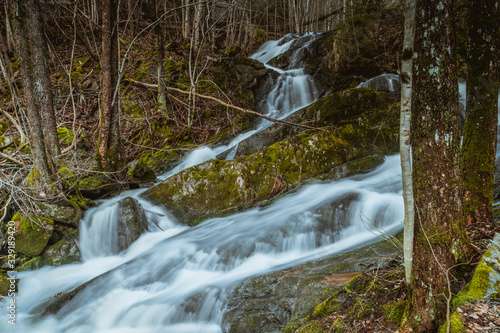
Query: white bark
point(404, 136)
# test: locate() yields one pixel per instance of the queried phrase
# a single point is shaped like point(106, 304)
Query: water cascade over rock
point(179, 279)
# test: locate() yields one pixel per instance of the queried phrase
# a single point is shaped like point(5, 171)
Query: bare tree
point(41, 75)
point(27, 51)
point(109, 149)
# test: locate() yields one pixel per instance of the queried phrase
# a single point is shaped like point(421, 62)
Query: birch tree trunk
point(404, 137)
point(186, 24)
point(480, 128)
point(440, 241)
point(161, 40)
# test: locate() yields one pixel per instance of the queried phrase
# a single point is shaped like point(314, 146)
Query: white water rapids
point(180, 279)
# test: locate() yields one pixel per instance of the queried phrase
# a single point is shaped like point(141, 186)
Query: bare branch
point(276, 121)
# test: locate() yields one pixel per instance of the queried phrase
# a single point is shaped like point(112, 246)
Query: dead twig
point(7, 157)
point(276, 121)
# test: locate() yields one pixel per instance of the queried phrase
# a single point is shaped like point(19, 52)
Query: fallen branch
point(7, 157)
point(276, 121)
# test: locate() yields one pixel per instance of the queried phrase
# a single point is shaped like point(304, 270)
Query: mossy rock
point(215, 188)
point(32, 234)
point(132, 222)
point(63, 252)
point(90, 182)
point(66, 212)
point(485, 281)
point(96, 186)
point(357, 105)
point(243, 78)
point(65, 135)
point(359, 118)
point(67, 176)
point(303, 296)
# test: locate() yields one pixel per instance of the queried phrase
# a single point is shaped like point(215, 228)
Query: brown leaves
point(483, 316)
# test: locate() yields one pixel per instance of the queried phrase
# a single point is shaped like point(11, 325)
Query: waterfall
point(178, 279)
point(387, 82)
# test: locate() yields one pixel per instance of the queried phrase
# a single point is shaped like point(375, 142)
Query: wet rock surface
point(333, 109)
point(268, 302)
point(132, 222)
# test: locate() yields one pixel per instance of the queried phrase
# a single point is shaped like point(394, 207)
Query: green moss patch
point(65, 135)
point(32, 234)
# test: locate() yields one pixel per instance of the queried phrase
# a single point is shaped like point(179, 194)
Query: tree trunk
point(42, 172)
point(404, 137)
point(186, 18)
point(480, 128)
point(440, 240)
point(41, 74)
point(161, 38)
point(109, 146)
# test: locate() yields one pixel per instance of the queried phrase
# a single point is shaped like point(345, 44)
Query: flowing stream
point(180, 279)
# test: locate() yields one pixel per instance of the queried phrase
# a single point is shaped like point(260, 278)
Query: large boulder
point(267, 303)
point(331, 110)
point(132, 222)
point(217, 188)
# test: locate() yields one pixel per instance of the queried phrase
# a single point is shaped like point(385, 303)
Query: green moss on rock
point(32, 234)
point(63, 252)
point(216, 186)
point(65, 135)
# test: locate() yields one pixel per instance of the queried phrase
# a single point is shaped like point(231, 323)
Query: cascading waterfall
point(179, 279)
point(292, 91)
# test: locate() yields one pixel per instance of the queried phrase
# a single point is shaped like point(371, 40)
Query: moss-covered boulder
point(96, 186)
point(267, 303)
point(67, 212)
point(363, 126)
point(132, 222)
point(334, 109)
point(485, 285)
point(63, 252)
point(216, 188)
point(32, 234)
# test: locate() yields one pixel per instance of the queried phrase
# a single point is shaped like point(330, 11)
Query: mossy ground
point(377, 301)
point(374, 294)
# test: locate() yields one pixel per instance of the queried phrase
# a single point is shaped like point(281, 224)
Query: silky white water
point(178, 279)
